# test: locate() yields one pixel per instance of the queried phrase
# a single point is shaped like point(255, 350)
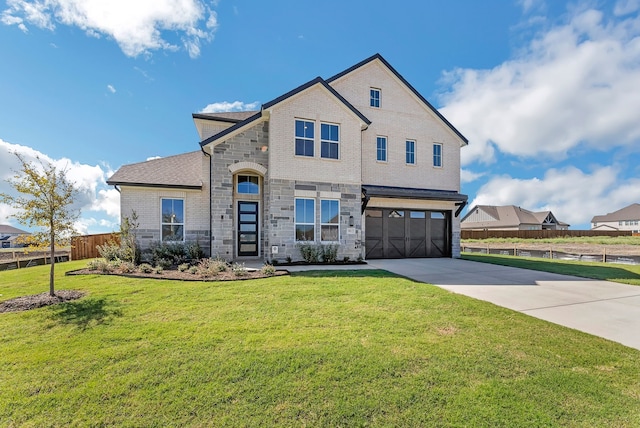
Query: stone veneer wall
point(280, 222)
point(245, 147)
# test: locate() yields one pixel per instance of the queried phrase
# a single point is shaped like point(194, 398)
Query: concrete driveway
point(602, 308)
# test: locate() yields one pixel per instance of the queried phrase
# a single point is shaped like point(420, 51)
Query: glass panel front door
point(247, 229)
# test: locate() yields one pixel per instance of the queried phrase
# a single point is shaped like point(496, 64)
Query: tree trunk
point(53, 262)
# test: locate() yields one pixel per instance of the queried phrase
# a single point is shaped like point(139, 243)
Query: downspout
point(210, 197)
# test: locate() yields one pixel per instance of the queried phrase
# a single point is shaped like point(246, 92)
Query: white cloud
point(226, 106)
point(528, 5)
point(136, 26)
point(111, 89)
point(467, 176)
point(573, 195)
point(90, 180)
point(625, 7)
point(574, 84)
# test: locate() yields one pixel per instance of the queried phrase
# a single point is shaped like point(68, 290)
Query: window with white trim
point(381, 149)
point(374, 97)
point(410, 156)
point(437, 155)
point(304, 137)
point(172, 220)
point(305, 219)
point(329, 220)
point(329, 140)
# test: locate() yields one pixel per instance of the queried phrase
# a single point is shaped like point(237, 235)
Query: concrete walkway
point(602, 308)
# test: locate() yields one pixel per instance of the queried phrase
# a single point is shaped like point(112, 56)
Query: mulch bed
point(175, 274)
point(25, 303)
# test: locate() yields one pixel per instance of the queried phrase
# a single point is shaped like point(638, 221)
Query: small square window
point(374, 97)
point(248, 184)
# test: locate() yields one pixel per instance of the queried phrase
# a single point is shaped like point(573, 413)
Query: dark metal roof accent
point(156, 185)
point(231, 129)
point(309, 84)
point(230, 117)
point(404, 81)
point(411, 193)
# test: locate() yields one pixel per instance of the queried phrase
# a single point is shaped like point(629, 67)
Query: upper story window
point(248, 185)
point(381, 149)
point(305, 219)
point(172, 220)
point(410, 156)
point(329, 219)
point(374, 97)
point(329, 140)
point(437, 155)
point(304, 137)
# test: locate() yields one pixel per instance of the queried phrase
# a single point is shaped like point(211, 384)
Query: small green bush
point(145, 268)
point(212, 267)
point(329, 253)
point(193, 270)
point(194, 251)
point(127, 267)
point(110, 250)
point(158, 270)
point(310, 252)
point(268, 270)
point(238, 269)
point(183, 267)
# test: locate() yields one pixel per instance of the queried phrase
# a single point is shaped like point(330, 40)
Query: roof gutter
point(210, 199)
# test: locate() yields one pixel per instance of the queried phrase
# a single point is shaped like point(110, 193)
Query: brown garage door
point(398, 233)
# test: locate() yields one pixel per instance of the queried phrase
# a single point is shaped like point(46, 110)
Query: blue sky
point(545, 91)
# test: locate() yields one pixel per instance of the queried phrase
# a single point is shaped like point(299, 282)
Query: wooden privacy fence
point(85, 246)
point(538, 234)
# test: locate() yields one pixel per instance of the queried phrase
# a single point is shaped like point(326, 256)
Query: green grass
point(627, 274)
point(601, 240)
point(359, 348)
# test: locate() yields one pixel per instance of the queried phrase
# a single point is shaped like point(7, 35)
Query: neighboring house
point(9, 236)
point(360, 160)
point(627, 218)
point(509, 217)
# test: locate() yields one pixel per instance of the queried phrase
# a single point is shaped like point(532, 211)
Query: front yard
point(348, 348)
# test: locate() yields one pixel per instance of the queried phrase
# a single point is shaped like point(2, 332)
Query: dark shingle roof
point(5, 229)
point(180, 171)
point(507, 216)
point(631, 212)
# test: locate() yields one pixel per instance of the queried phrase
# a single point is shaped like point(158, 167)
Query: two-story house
point(627, 218)
point(361, 160)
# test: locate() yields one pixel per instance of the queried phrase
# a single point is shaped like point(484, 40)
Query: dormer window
point(374, 97)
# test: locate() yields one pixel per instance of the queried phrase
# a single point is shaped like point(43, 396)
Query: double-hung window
point(410, 152)
point(172, 227)
point(374, 97)
point(381, 149)
point(329, 140)
point(329, 219)
point(304, 137)
point(437, 155)
point(305, 219)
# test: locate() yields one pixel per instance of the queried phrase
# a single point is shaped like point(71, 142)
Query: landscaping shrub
point(145, 268)
point(310, 253)
point(183, 267)
point(329, 253)
point(268, 269)
point(168, 254)
point(238, 269)
point(194, 251)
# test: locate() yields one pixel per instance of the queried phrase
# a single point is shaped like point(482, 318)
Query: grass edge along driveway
point(626, 274)
point(348, 348)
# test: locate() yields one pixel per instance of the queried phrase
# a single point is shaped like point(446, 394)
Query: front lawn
point(627, 274)
point(342, 348)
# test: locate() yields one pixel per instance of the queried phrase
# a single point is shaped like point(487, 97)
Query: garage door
point(398, 233)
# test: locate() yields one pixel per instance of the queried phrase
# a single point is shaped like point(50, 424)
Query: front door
point(247, 229)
